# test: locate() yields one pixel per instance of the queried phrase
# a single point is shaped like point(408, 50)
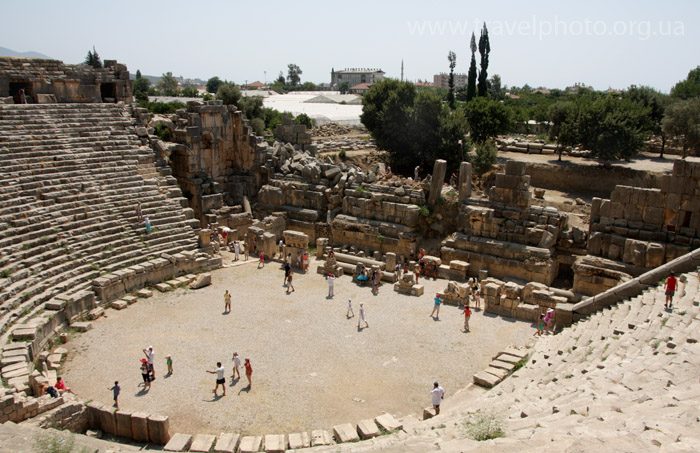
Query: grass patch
point(521, 363)
point(484, 426)
point(361, 189)
point(5, 273)
point(424, 211)
point(51, 443)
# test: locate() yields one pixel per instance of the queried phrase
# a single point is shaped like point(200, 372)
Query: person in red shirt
point(467, 315)
point(248, 372)
point(670, 288)
point(60, 385)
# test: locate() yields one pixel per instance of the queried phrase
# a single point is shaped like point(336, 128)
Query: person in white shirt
point(350, 313)
point(220, 379)
point(331, 280)
point(150, 356)
point(437, 394)
point(236, 372)
point(236, 250)
point(362, 318)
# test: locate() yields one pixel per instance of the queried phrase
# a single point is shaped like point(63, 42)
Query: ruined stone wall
point(50, 81)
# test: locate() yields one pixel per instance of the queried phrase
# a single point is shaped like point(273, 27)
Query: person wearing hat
point(145, 374)
point(435, 314)
point(150, 358)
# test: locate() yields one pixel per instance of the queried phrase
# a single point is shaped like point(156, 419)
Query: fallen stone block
point(388, 423)
point(417, 290)
point(508, 358)
point(297, 441)
point(55, 305)
point(23, 333)
point(250, 444)
point(345, 433)
point(179, 442)
point(275, 443)
point(202, 442)
point(144, 293)
point(159, 429)
point(321, 437)
point(81, 326)
point(129, 299)
point(227, 443)
point(367, 429)
point(498, 372)
point(162, 287)
point(95, 313)
point(521, 353)
point(502, 365)
point(119, 304)
point(485, 379)
point(201, 281)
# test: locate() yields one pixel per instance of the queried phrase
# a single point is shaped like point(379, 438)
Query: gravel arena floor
point(312, 367)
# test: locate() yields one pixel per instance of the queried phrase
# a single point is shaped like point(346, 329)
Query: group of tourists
point(219, 371)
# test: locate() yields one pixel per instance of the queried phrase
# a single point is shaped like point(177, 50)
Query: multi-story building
point(356, 76)
point(442, 80)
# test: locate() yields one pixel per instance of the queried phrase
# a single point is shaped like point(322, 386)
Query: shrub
point(304, 119)
point(342, 154)
point(162, 107)
point(258, 125)
point(484, 426)
point(485, 157)
point(228, 93)
point(163, 132)
point(424, 211)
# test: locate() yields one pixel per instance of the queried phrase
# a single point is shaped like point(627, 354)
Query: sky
point(606, 44)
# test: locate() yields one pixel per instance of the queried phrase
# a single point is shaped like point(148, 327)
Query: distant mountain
point(5, 52)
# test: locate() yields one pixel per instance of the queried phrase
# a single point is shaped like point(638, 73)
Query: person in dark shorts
point(670, 289)
point(220, 379)
point(145, 374)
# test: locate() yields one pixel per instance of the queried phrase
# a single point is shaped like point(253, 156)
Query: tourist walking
point(261, 263)
point(287, 271)
point(549, 321)
point(248, 372)
point(305, 261)
point(475, 293)
point(397, 272)
point(169, 364)
point(289, 283)
point(362, 318)
point(246, 250)
point(139, 213)
point(539, 326)
point(280, 249)
point(236, 372)
point(150, 358)
point(116, 390)
point(416, 271)
point(227, 302)
point(670, 289)
point(220, 379)
point(350, 313)
point(145, 374)
point(236, 250)
point(435, 314)
point(331, 279)
point(467, 315)
point(437, 394)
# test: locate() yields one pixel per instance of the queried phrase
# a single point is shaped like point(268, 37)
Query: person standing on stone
point(220, 379)
point(236, 372)
point(116, 390)
point(227, 302)
point(467, 315)
point(150, 358)
point(362, 318)
point(670, 289)
point(236, 250)
point(435, 314)
point(350, 313)
point(139, 213)
point(331, 279)
point(289, 282)
point(416, 173)
point(437, 394)
point(248, 372)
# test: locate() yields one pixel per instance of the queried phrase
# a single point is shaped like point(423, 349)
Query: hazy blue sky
point(611, 43)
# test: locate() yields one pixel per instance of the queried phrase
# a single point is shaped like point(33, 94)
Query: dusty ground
point(312, 367)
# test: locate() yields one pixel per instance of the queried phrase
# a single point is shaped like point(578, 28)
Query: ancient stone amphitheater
point(620, 374)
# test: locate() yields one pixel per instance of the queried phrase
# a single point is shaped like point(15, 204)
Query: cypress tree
point(452, 58)
point(484, 50)
point(471, 75)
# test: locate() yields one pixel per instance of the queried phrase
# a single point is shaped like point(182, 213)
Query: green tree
point(140, 87)
point(688, 88)
point(495, 89)
point(486, 119)
point(344, 88)
point(452, 58)
point(258, 125)
point(471, 76)
point(485, 157)
point(304, 119)
point(682, 121)
point(251, 106)
point(93, 58)
point(656, 102)
point(189, 91)
point(293, 75)
point(484, 50)
point(562, 116)
point(228, 93)
point(611, 127)
point(213, 84)
point(167, 86)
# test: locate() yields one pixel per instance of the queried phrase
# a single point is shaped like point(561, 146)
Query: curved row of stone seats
point(72, 175)
point(624, 379)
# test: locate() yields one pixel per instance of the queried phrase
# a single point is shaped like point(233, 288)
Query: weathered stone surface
point(119, 304)
point(250, 444)
point(139, 426)
point(321, 437)
point(162, 287)
point(465, 181)
point(201, 281)
point(345, 432)
point(438, 179)
point(144, 293)
point(123, 420)
point(159, 429)
point(367, 429)
point(297, 441)
point(202, 442)
point(485, 379)
point(179, 442)
point(274, 443)
point(387, 422)
point(227, 443)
